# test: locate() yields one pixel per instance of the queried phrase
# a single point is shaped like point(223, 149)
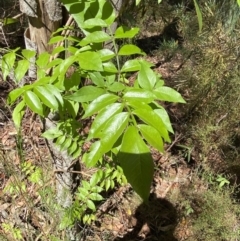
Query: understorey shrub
point(125, 117)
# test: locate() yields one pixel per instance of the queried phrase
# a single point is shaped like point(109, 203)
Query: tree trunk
point(45, 17)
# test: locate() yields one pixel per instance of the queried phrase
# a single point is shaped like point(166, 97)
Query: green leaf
point(52, 133)
point(95, 197)
point(99, 103)
point(28, 54)
point(129, 49)
point(162, 113)
point(54, 63)
point(18, 113)
point(96, 189)
point(63, 67)
point(139, 94)
point(56, 39)
point(8, 61)
point(46, 96)
point(113, 129)
point(43, 59)
point(72, 148)
point(56, 92)
point(108, 13)
point(238, 1)
point(165, 93)
point(110, 79)
point(146, 77)
point(102, 118)
point(106, 54)
point(86, 94)
point(110, 67)
point(125, 32)
point(57, 50)
point(96, 178)
point(97, 79)
point(14, 94)
point(152, 136)
point(71, 107)
point(72, 83)
point(131, 66)
point(95, 37)
point(90, 61)
point(107, 184)
point(116, 87)
point(199, 15)
point(136, 104)
point(94, 155)
point(41, 81)
point(7, 21)
point(152, 119)
point(136, 162)
point(91, 205)
point(66, 143)
point(60, 140)
point(137, 2)
point(93, 22)
point(21, 69)
point(77, 153)
point(33, 102)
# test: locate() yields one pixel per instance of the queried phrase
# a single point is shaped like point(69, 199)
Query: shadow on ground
point(154, 221)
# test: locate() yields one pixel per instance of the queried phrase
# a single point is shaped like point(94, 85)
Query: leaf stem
point(131, 114)
point(116, 51)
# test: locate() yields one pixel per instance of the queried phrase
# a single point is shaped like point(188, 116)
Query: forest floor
point(174, 199)
point(123, 217)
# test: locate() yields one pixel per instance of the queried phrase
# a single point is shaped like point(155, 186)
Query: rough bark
point(45, 17)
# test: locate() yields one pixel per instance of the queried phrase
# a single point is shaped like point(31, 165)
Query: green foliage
point(210, 210)
point(125, 117)
point(86, 195)
point(15, 233)
point(217, 217)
